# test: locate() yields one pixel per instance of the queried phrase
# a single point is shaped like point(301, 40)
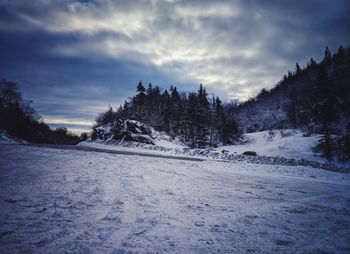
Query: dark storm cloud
point(73, 58)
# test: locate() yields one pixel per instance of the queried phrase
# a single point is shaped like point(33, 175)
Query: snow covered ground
point(284, 143)
point(55, 201)
point(281, 147)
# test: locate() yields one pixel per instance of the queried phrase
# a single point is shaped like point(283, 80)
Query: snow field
point(55, 201)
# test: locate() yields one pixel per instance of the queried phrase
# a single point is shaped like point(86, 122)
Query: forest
point(20, 119)
point(315, 98)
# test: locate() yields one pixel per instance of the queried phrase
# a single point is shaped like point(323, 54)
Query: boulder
point(250, 153)
point(127, 130)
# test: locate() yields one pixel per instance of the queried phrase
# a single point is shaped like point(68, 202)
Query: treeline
point(315, 98)
point(198, 120)
point(20, 120)
point(324, 105)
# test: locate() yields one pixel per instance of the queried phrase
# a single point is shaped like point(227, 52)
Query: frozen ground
point(55, 201)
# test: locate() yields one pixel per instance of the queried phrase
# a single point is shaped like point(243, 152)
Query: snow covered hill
point(282, 143)
point(62, 201)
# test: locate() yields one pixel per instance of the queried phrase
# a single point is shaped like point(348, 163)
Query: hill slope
point(291, 103)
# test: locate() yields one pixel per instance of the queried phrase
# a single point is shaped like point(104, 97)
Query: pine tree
point(312, 62)
point(230, 131)
point(141, 96)
point(344, 144)
point(220, 118)
point(297, 69)
point(327, 56)
point(191, 120)
point(326, 143)
point(213, 133)
point(292, 108)
point(149, 89)
point(177, 113)
point(340, 57)
point(203, 121)
point(165, 111)
point(324, 110)
point(140, 88)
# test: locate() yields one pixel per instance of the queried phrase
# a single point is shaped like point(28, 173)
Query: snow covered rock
point(128, 130)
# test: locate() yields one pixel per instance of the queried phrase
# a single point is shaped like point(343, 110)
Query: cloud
point(235, 48)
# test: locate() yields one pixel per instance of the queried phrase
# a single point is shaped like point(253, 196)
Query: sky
point(74, 58)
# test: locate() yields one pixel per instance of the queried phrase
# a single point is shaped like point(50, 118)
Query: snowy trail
point(57, 200)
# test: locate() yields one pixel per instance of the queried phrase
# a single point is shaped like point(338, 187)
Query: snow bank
point(284, 143)
point(287, 147)
point(6, 138)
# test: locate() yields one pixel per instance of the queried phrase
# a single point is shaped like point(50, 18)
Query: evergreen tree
point(340, 56)
point(191, 120)
point(230, 131)
point(297, 69)
point(177, 112)
point(220, 119)
point(203, 121)
point(325, 143)
point(324, 110)
point(327, 56)
point(212, 127)
point(344, 144)
point(149, 89)
point(312, 62)
point(166, 111)
point(140, 97)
